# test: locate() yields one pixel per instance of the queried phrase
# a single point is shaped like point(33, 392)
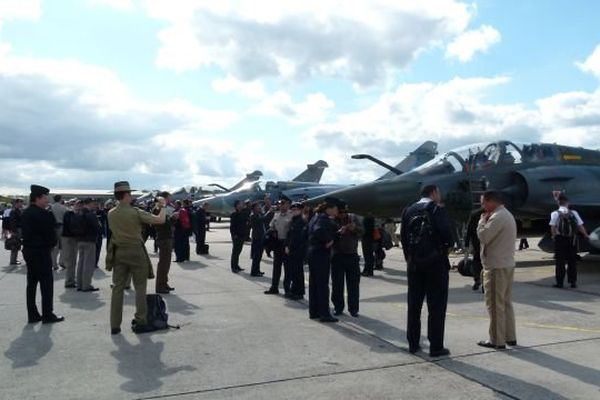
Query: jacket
point(321, 230)
point(238, 225)
point(297, 239)
point(498, 236)
point(257, 224)
point(347, 242)
point(38, 227)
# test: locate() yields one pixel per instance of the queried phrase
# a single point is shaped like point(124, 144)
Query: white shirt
point(281, 223)
point(562, 209)
point(424, 200)
point(7, 213)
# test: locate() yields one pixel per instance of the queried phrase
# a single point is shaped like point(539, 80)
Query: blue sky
point(197, 91)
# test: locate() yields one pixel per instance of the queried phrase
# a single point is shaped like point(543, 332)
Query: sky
point(166, 93)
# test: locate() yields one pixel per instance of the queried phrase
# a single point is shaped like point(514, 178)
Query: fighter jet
point(303, 186)
point(530, 175)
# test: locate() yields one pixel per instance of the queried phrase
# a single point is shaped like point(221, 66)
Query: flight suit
point(164, 242)
point(296, 244)
point(126, 254)
point(321, 231)
point(345, 266)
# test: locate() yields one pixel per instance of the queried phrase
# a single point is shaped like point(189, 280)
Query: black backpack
point(423, 247)
point(567, 224)
point(157, 318)
point(77, 225)
point(465, 267)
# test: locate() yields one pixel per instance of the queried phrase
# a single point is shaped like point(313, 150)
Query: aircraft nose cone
point(383, 198)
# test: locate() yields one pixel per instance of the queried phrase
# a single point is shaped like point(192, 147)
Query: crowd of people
point(69, 236)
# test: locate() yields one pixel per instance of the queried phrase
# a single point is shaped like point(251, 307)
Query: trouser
point(200, 239)
point(14, 251)
point(345, 267)
point(318, 284)
point(523, 244)
point(296, 272)
point(69, 256)
point(279, 259)
point(56, 250)
point(497, 283)
point(86, 252)
point(99, 240)
point(238, 245)
point(256, 251)
point(429, 282)
point(39, 270)
point(129, 265)
point(390, 228)
point(181, 245)
point(368, 255)
point(379, 254)
point(477, 267)
point(565, 253)
point(165, 250)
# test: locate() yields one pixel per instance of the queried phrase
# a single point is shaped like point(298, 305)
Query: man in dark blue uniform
point(39, 237)
point(295, 249)
point(426, 236)
point(257, 224)
point(238, 227)
point(321, 235)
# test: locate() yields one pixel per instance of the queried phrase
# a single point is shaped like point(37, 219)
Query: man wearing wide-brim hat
point(126, 254)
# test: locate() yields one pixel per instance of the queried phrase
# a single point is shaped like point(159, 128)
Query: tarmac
point(237, 343)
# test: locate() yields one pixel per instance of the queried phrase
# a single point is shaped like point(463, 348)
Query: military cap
point(297, 205)
point(283, 198)
point(122, 186)
point(333, 202)
point(37, 190)
point(164, 194)
point(89, 200)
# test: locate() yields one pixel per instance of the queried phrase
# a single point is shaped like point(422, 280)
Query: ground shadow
point(192, 265)
point(30, 347)
point(516, 388)
point(81, 300)
point(175, 304)
point(140, 363)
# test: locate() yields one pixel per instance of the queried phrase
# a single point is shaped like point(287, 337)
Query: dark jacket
point(257, 224)
point(238, 225)
point(368, 227)
point(92, 226)
point(38, 229)
point(347, 243)
point(321, 230)
point(164, 231)
point(471, 235)
point(15, 220)
point(297, 238)
point(199, 219)
point(442, 231)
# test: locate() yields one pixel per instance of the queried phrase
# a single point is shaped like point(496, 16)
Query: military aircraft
point(303, 186)
point(530, 175)
point(198, 192)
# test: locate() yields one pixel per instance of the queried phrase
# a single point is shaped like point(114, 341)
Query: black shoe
point(490, 345)
point(296, 297)
point(90, 289)
point(257, 274)
point(556, 285)
point(511, 343)
point(235, 271)
point(354, 314)
point(70, 286)
point(313, 316)
point(62, 267)
point(16, 263)
point(163, 291)
point(338, 312)
point(328, 319)
point(169, 288)
point(240, 269)
point(476, 286)
point(573, 286)
point(52, 319)
point(34, 319)
point(55, 268)
point(439, 353)
point(364, 273)
point(414, 349)
point(378, 268)
point(127, 287)
point(115, 331)
point(272, 291)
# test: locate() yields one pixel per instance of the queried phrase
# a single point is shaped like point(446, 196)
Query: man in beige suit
point(497, 232)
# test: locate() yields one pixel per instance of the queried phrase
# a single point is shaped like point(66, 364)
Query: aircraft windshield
point(249, 186)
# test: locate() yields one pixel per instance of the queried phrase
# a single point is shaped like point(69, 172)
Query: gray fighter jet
point(530, 175)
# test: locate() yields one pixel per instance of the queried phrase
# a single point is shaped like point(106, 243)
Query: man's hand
point(329, 244)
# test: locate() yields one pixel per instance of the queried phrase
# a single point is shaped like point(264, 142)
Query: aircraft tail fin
point(251, 177)
point(313, 172)
point(425, 152)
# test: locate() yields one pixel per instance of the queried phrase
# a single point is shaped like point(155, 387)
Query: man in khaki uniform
point(126, 254)
point(497, 232)
point(164, 242)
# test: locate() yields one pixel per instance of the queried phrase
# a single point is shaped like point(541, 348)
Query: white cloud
point(253, 89)
point(470, 42)
point(350, 39)
point(314, 108)
point(20, 9)
point(592, 63)
point(121, 5)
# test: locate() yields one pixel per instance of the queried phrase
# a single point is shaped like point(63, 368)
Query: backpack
point(77, 224)
point(465, 267)
point(567, 224)
point(157, 318)
point(184, 219)
point(422, 241)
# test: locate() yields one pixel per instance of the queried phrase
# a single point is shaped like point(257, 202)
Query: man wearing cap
point(281, 225)
point(15, 226)
point(238, 226)
point(126, 254)
point(257, 225)
point(69, 244)
point(86, 246)
point(295, 250)
point(58, 210)
point(39, 237)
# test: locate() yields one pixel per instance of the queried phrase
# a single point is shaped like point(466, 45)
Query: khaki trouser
point(390, 228)
point(86, 252)
point(68, 254)
point(57, 249)
point(498, 299)
point(129, 261)
point(165, 251)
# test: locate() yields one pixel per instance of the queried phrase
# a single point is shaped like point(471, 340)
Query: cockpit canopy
point(482, 156)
